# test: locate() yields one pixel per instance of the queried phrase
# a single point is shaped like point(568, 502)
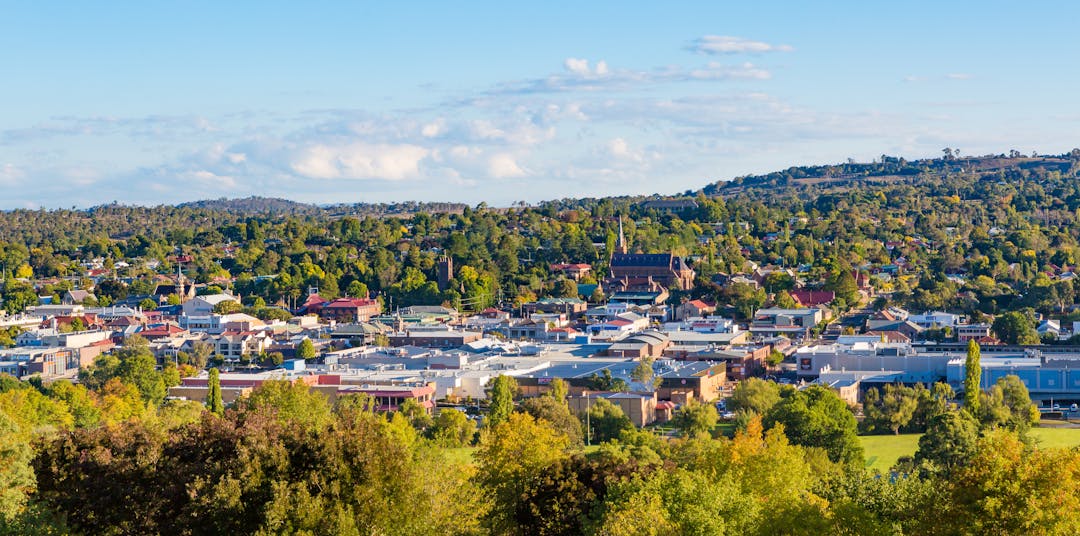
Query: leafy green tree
point(889, 409)
point(416, 414)
point(559, 389)
point(213, 393)
point(138, 367)
point(305, 350)
point(842, 282)
point(972, 378)
point(949, 440)
point(357, 289)
point(695, 419)
point(784, 300)
point(452, 429)
point(1008, 404)
point(566, 288)
point(227, 307)
point(991, 493)
point(79, 401)
point(512, 453)
point(1015, 327)
point(754, 395)
point(644, 373)
point(503, 390)
point(606, 382)
point(606, 421)
point(557, 413)
point(817, 417)
point(16, 476)
point(18, 296)
point(931, 403)
point(289, 402)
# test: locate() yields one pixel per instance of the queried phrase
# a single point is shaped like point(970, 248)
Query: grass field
point(882, 451)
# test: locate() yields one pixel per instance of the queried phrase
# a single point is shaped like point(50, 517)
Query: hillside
point(253, 205)
point(888, 169)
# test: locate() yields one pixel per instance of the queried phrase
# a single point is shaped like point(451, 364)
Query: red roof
point(700, 304)
point(812, 298)
point(348, 303)
point(313, 300)
point(577, 266)
point(166, 330)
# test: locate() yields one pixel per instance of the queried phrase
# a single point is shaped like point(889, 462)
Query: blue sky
point(163, 102)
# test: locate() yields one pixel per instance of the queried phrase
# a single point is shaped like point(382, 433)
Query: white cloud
point(959, 76)
point(717, 71)
point(580, 77)
point(360, 161)
point(728, 44)
point(577, 66)
point(504, 166)
point(210, 179)
point(10, 175)
point(433, 129)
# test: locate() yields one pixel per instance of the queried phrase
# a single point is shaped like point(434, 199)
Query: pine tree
point(972, 378)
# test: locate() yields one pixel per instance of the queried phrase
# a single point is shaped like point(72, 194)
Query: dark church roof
point(642, 259)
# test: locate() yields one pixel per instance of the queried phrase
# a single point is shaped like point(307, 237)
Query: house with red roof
point(694, 309)
point(312, 304)
point(573, 271)
point(805, 297)
point(161, 331)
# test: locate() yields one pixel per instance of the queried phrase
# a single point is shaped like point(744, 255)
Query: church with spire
point(649, 272)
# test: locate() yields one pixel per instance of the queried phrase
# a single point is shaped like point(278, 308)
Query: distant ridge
point(889, 169)
point(254, 205)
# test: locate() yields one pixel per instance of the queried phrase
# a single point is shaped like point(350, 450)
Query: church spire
point(622, 239)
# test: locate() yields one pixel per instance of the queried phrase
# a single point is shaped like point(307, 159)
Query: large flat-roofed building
point(640, 408)
point(442, 338)
point(49, 363)
point(701, 380)
point(387, 396)
point(790, 322)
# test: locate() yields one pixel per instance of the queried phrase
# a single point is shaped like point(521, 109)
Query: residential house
point(204, 305)
point(572, 271)
point(812, 298)
point(232, 345)
point(72, 297)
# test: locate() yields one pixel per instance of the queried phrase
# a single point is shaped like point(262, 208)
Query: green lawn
point(463, 455)
point(882, 451)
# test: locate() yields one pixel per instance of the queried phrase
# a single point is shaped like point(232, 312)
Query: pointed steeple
point(621, 248)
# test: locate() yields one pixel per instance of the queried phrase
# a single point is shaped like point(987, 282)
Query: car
point(1057, 407)
point(1074, 408)
point(728, 415)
